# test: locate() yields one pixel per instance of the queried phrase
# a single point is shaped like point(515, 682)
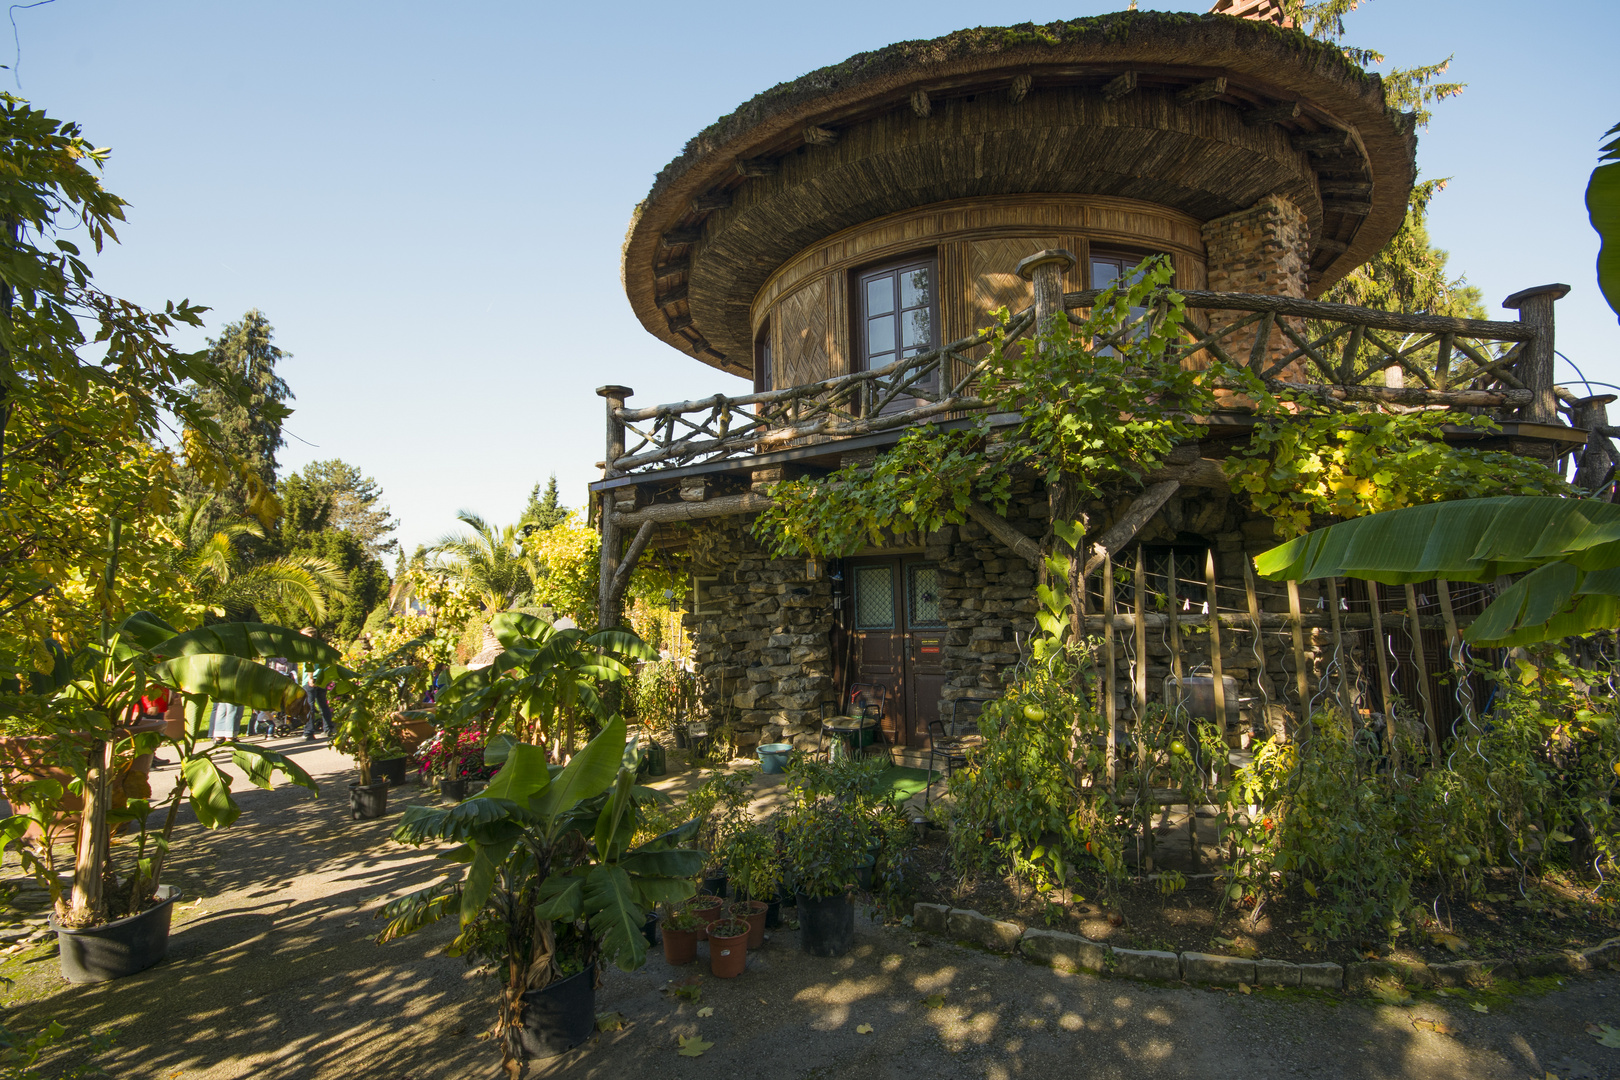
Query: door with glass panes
point(899, 640)
point(897, 318)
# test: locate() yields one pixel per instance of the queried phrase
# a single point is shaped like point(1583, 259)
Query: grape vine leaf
point(693, 1046)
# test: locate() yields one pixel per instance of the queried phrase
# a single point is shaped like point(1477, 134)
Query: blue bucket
point(773, 757)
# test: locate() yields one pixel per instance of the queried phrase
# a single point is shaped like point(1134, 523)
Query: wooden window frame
point(764, 361)
point(857, 301)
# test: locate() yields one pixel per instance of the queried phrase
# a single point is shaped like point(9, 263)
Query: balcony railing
point(1333, 351)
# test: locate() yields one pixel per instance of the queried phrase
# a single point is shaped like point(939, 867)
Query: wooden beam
point(758, 166)
point(1118, 87)
point(1355, 189)
point(1338, 247)
point(1321, 142)
point(1301, 678)
point(1407, 395)
point(1019, 88)
point(920, 103)
point(671, 295)
point(679, 323)
point(1123, 531)
point(1414, 633)
point(1215, 649)
point(1272, 114)
point(819, 136)
point(1318, 309)
point(621, 576)
point(711, 200)
point(1204, 91)
point(694, 488)
point(1110, 705)
point(998, 527)
point(725, 505)
point(1351, 207)
point(1203, 473)
point(685, 234)
point(673, 267)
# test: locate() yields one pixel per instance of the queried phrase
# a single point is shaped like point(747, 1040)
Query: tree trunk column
point(1593, 465)
point(1535, 308)
point(606, 615)
point(1045, 270)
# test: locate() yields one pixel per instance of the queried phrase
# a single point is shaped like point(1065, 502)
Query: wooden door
point(899, 641)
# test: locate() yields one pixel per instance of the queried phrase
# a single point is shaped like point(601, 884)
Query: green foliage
point(544, 511)
point(1570, 547)
point(1301, 465)
point(662, 693)
point(1603, 207)
point(489, 559)
point(720, 807)
point(333, 494)
point(551, 881)
point(1409, 274)
point(1097, 400)
point(753, 862)
point(245, 396)
point(20, 1053)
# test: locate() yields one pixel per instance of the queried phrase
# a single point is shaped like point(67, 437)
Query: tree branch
point(1125, 529)
point(997, 526)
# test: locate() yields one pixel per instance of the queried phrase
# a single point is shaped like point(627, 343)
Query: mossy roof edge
point(914, 57)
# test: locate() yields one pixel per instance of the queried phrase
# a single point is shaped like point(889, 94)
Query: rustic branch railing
point(1344, 354)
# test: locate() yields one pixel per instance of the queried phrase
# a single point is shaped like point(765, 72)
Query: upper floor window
point(898, 316)
point(762, 359)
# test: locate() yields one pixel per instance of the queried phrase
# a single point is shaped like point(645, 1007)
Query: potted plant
point(721, 808)
point(552, 887)
point(365, 723)
point(728, 948)
point(823, 843)
point(755, 865)
point(681, 926)
point(751, 912)
point(707, 908)
point(114, 924)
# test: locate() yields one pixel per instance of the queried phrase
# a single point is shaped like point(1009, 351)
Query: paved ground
point(272, 974)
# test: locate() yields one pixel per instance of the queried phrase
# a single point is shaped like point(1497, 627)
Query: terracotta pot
point(416, 724)
point(756, 922)
point(728, 955)
point(174, 721)
point(707, 909)
point(680, 946)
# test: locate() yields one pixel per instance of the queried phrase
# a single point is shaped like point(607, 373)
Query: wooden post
point(1347, 697)
point(1415, 632)
point(1107, 680)
point(1263, 680)
point(1215, 647)
point(1141, 681)
point(1535, 308)
point(1173, 589)
point(1454, 646)
point(1045, 270)
point(606, 616)
point(1375, 605)
point(1304, 683)
point(1592, 464)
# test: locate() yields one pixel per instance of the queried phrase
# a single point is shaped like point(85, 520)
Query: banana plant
point(96, 689)
point(551, 885)
point(544, 680)
point(1564, 552)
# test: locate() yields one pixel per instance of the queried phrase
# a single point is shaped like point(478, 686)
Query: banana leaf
point(251, 640)
point(1567, 549)
point(230, 679)
point(1603, 207)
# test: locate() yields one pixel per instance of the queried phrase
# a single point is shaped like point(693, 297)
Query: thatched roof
point(830, 149)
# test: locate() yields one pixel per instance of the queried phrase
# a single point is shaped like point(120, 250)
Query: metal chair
point(947, 746)
point(868, 703)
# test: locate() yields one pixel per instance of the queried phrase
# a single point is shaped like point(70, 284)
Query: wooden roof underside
point(1204, 114)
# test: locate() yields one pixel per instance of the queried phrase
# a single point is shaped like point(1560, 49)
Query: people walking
point(320, 710)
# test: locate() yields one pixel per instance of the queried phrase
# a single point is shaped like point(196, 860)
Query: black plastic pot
point(454, 790)
point(121, 947)
point(391, 769)
point(681, 741)
point(863, 873)
point(560, 1017)
point(773, 913)
point(649, 929)
point(368, 802)
point(826, 924)
point(716, 885)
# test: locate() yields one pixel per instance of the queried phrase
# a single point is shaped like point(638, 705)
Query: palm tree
point(288, 590)
point(489, 560)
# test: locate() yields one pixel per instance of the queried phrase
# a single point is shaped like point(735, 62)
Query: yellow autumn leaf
point(863, 1029)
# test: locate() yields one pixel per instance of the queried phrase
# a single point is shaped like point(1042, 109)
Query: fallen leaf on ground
point(1496, 897)
point(609, 1021)
point(1479, 1007)
point(355, 922)
point(692, 991)
point(693, 1046)
point(1450, 942)
point(1606, 1035)
point(1438, 1026)
point(1243, 988)
point(934, 1001)
point(863, 1029)
point(1393, 995)
point(707, 1010)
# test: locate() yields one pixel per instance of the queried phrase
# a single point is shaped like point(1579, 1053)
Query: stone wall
point(1265, 250)
point(764, 654)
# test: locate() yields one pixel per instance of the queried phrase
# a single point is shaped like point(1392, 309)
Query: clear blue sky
point(428, 200)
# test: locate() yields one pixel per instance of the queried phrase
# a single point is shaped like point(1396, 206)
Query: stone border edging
point(1071, 952)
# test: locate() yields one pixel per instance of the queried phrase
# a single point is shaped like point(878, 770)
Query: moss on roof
point(905, 57)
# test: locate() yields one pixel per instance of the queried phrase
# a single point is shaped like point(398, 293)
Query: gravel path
point(272, 973)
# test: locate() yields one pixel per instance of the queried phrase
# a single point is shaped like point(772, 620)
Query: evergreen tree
point(248, 406)
point(334, 494)
point(544, 511)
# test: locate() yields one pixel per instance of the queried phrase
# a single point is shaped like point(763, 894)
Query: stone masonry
point(1265, 250)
